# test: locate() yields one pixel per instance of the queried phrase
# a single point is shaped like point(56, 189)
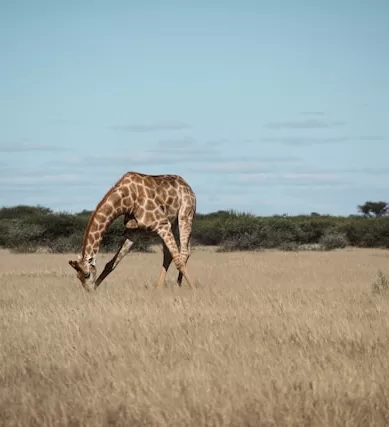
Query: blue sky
point(267, 107)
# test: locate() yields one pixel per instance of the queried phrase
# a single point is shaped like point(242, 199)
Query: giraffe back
point(171, 192)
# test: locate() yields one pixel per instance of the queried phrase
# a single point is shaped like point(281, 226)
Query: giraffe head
point(86, 272)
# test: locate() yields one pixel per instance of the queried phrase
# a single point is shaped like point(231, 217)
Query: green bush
point(333, 240)
point(276, 232)
point(66, 244)
point(241, 242)
point(28, 228)
point(289, 247)
point(312, 228)
point(367, 232)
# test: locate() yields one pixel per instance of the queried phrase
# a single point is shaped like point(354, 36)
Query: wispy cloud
point(181, 144)
point(238, 199)
point(44, 178)
point(175, 156)
point(230, 167)
point(167, 152)
point(362, 170)
point(379, 170)
point(176, 143)
point(11, 190)
point(305, 124)
point(288, 179)
point(218, 142)
point(313, 113)
point(311, 140)
point(32, 179)
point(197, 159)
point(242, 165)
point(146, 158)
point(152, 127)
point(24, 145)
point(303, 140)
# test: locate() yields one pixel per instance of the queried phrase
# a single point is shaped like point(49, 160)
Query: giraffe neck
point(105, 213)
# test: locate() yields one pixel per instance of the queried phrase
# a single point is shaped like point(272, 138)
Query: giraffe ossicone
point(153, 203)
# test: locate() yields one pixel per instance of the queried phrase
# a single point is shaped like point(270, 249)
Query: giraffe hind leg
point(185, 229)
point(167, 260)
point(130, 222)
point(180, 276)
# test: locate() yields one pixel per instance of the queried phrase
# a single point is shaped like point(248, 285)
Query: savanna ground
point(268, 339)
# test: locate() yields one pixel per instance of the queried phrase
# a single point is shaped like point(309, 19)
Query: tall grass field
point(269, 338)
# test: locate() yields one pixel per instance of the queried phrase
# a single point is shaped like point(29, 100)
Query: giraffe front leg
point(111, 265)
point(167, 236)
point(180, 276)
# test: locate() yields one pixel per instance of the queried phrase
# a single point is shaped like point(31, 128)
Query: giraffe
point(157, 204)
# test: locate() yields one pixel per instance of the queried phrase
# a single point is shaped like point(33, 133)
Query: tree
point(377, 209)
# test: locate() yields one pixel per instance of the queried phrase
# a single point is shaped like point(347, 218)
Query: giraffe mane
point(94, 213)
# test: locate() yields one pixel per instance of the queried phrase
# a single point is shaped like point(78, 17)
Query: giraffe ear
point(75, 265)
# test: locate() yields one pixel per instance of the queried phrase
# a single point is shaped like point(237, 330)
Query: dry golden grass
point(269, 339)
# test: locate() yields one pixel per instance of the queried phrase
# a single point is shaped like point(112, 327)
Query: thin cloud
point(233, 199)
point(49, 178)
point(306, 140)
point(170, 154)
point(313, 113)
point(9, 172)
point(239, 165)
point(230, 167)
point(153, 158)
point(6, 170)
point(153, 127)
point(218, 142)
point(176, 143)
point(306, 124)
point(196, 159)
point(363, 170)
point(368, 138)
point(368, 170)
point(19, 146)
point(308, 171)
point(296, 141)
point(27, 180)
point(176, 156)
point(288, 179)
point(10, 190)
